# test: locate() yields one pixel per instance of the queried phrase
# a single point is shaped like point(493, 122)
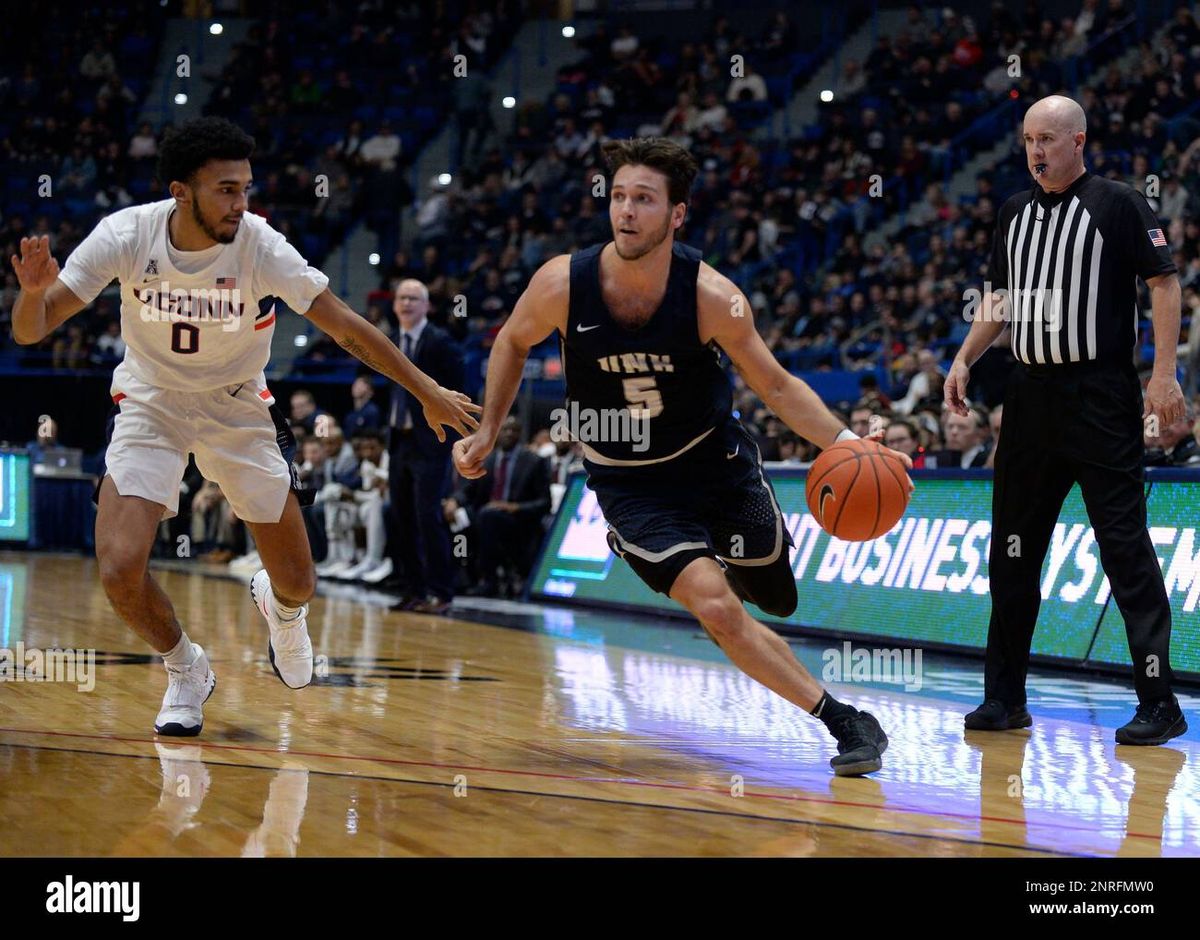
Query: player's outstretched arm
point(725, 316)
point(540, 310)
point(44, 302)
point(442, 406)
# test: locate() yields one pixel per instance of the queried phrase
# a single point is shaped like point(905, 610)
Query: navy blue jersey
point(659, 374)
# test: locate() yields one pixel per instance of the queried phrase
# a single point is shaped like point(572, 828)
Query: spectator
point(304, 410)
point(925, 384)
point(748, 87)
point(382, 150)
point(505, 508)
point(98, 62)
point(1175, 445)
point(902, 435)
point(143, 145)
point(967, 443)
point(351, 509)
point(313, 473)
point(343, 464)
point(366, 412)
point(110, 345)
point(214, 524)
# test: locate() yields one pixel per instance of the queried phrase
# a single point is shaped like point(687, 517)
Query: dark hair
point(658, 153)
point(368, 434)
point(188, 146)
point(909, 425)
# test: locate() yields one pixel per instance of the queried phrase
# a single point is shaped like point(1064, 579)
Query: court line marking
point(936, 814)
point(588, 799)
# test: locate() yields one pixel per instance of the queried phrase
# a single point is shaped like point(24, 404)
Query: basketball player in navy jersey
point(643, 321)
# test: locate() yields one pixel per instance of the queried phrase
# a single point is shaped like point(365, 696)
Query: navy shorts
point(711, 501)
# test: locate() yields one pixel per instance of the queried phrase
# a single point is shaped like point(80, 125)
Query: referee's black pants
point(1073, 423)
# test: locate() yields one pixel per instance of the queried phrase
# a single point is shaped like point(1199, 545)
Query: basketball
point(857, 490)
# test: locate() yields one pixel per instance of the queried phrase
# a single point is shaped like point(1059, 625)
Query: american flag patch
point(1157, 238)
point(230, 283)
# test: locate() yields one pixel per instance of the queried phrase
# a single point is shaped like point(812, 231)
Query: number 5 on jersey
point(643, 397)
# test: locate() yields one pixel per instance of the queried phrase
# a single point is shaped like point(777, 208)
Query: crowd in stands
point(792, 221)
point(318, 89)
point(72, 148)
point(875, 302)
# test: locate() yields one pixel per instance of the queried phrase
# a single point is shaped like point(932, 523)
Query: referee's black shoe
point(861, 743)
point(1155, 723)
point(994, 715)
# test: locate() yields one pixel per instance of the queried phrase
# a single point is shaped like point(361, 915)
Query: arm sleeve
point(94, 263)
point(1141, 230)
point(281, 272)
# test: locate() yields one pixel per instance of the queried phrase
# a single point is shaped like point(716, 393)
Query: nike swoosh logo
point(826, 492)
point(580, 328)
point(734, 454)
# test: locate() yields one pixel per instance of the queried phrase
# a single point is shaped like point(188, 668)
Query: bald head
point(1060, 112)
point(411, 302)
point(1055, 130)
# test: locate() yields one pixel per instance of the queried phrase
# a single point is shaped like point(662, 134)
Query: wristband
point(845, 434)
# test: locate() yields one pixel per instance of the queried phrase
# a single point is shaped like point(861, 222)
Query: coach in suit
point(505, 506)
point(419, 462)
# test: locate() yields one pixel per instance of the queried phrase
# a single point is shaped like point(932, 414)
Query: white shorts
point(237, 442)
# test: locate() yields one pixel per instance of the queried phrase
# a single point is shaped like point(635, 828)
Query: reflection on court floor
point(527, 730)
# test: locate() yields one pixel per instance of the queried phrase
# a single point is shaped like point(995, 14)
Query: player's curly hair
point(188, 146)
point(658, 153)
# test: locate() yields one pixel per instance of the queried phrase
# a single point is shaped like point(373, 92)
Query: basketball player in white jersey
point(196, 272)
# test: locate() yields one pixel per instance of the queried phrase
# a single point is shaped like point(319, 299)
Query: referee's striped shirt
point(1070, 262)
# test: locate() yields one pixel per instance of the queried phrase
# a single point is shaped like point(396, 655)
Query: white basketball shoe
point(188, 688)
point(289, 647)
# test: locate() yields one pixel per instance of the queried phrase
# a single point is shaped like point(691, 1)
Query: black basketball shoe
point(861, 743)
point(994, 715)
point(1154, 723)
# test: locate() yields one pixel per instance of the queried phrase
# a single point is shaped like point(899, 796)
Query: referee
point(1065, 261)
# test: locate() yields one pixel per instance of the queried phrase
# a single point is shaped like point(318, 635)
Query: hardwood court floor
point(577, 734)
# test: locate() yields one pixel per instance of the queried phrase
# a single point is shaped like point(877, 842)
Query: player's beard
point(657, 239)
point(206, 227)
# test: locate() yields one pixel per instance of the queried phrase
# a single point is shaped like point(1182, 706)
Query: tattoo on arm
point(359, 351)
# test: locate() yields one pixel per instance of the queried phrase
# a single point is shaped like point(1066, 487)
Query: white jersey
point(202, 324)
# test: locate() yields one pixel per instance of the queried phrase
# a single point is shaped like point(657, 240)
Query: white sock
point(181, 653)
point(285, 614)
